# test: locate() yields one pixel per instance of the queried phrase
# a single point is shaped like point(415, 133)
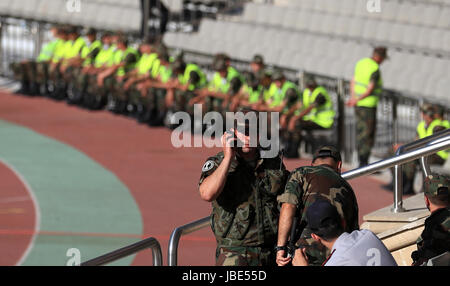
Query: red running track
point(162, 179)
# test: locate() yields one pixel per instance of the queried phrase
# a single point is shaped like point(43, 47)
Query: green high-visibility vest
point(120, 56)
point(277, 95)
point(424, 131)
point(61, 49)
point(253, 93)
point(220, 84)
point(104, 57)
point(323, 115)
point(48, 50)
point(87, 49)
point(363, 71)
point(75, 49)
point(145, 63)
point(184, 78)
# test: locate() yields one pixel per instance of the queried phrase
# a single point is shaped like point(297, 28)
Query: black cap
point(328, 151)
point(320, 215)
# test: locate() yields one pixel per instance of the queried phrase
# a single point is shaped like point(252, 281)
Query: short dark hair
point(441, 200)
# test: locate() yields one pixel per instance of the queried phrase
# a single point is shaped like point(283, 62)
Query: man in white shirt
point(359, 248)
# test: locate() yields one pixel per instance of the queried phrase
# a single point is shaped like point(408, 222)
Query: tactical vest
point(48, 51)
point(161, 71)
point(424, 131)
point(363, 71)
point(253, 94)
point(323, 115)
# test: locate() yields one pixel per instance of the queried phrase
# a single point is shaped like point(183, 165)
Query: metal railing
point(438, 142)
point(172, 254)
point(398, 178)
point(149, 243)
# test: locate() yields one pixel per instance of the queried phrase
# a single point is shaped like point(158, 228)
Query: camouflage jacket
point(246, 212)
point(305, 185)
point(435, 238)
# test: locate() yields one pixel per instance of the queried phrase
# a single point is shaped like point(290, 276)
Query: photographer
point(243, 188)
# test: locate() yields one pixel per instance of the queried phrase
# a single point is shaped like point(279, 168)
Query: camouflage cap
point(328, 151)
point(258, 59)
point(436, 184)
point(220, 65)
point(427, 108)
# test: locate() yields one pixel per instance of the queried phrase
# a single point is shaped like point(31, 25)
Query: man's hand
point(352, 102)
point(300, 257)
point(228, 144)
point(281, 259)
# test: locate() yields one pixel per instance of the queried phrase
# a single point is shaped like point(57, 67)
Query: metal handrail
point(151, 243)
point(398, 169)
point(180, 231)
point(434, 145)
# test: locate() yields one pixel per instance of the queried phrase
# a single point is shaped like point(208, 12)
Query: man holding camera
point(243, 188)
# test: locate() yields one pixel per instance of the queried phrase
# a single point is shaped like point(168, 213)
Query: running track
point(96, 181)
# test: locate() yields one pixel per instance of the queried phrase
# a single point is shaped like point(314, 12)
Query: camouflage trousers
point(41, 75)
point(245, 256)
point(182, 99)
point(291, 140)
point(24, 72)
point(366, 121)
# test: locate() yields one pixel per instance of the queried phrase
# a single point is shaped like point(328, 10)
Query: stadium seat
point(389, 10)
point(444, 18)
point(5, 6)
point(50, 11)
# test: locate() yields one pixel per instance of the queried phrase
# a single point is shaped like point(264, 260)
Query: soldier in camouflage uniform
point(243, 188)
point(321, 180)
point(435, 238)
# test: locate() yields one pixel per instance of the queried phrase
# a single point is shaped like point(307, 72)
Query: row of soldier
point(149, 84)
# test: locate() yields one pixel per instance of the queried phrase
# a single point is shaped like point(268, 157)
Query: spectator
point(359, 248)
point(435, 238)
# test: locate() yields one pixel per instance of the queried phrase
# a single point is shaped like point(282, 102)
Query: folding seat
point(316, 22)
point(370, 29)
point(356, 27)
point(444, 18)
point(348, 7)
point(382, 32)
point(132, 18)
point(397, 33)
point(328, 23)
point(265, 14)
point(328, 6)
point(389, 10)
point(306, 5)
point(304, 21)
point(410, 35)
point(50, 10)
point(250, 12)
point(405, 11)
point(430, 14)
point(274, 15)
point(290, 18)
point(342, 26)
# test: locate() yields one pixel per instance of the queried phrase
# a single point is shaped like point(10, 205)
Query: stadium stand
point(315, 36)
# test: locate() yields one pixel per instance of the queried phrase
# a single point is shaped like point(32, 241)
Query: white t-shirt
point(360, 248)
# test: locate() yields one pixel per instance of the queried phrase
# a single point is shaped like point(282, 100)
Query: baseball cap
point(258, 59)
point(320, 215)
point(436, 184)
point(328, 151)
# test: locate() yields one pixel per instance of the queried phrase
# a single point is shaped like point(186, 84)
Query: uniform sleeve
point(293, 190)
point(93, 53)
point(375, 76)
point(235, 84)
point(208, 168)
point(130, 58)
point(291, 96)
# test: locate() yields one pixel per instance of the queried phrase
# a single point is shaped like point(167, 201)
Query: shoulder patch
point(208, 166)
